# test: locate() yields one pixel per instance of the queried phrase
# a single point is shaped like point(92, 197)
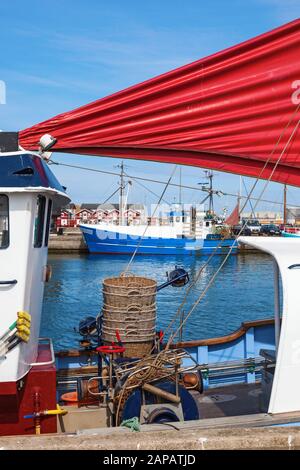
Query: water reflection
point(242, 291)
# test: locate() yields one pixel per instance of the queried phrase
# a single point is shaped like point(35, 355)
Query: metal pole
point(180, 188)
point(121, 205)
point(284, 205)
point(276, 304)
point(211, 200)
point(239, 198)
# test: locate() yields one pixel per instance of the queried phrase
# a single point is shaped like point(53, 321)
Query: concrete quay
point(279, 438)
point(72, 242)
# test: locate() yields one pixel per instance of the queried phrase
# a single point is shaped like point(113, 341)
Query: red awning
point(233, 111)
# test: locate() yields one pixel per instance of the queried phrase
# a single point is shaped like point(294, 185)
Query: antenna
point(209, 175)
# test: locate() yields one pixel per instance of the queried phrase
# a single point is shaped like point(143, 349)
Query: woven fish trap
point(130, 332)
point(129, 322)
point(135, 312)
point(129, 307)
point(129, 290)
point(136, 349)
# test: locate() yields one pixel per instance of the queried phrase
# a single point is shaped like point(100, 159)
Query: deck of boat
point(230, 400)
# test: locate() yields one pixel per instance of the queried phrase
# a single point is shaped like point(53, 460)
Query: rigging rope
point(259, 199)
point(245, 223)
point(152, 215)
point(190, 287)
point(116, 191)
point(145, 187)
point(231, 248)
point(246, 190)
point(268, 160)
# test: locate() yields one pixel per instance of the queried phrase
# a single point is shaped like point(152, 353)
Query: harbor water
point(242, 291)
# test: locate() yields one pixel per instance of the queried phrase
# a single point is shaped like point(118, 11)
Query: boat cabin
point(29, 192)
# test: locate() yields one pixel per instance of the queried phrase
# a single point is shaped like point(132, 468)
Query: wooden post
point(161, 393)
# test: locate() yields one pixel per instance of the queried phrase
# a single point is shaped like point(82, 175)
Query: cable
point(246, 220)
point(252, 210)
point(191, 286)
point(247, 198)
point(193, 188)
point(152, 215)
point(268, 159)
point(230, 250)
point(116, 191)
point(145, 187)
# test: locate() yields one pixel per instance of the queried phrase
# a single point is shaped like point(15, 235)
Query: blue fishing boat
point(185, 232)
point(291, 233)
point(108, 239)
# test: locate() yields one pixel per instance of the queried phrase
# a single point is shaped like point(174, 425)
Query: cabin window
point(4, 222)
point(39, 221)
point(48, 222)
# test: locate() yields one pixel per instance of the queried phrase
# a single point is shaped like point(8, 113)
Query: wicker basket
point(136, 349)
point(129, 324)
point(137, 325)
point(128, 334)
point(132, 313)
point(127, 290)
point(129, 307)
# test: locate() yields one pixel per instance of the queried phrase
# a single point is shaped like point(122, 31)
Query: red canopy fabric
point(233, 111)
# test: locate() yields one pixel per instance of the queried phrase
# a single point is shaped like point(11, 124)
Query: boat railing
point(238, 367)
point(252, 365)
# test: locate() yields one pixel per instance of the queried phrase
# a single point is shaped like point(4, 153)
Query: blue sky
point(57, 55)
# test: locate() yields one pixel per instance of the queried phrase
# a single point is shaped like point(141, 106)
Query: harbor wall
point(279, 438)
point(69, 242)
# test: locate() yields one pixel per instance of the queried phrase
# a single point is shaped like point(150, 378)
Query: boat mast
point(284, 204)
point(122, 199)
point(239, 197)
point(180, 187)
point(210, 175)
point(180, 196)
point(210, 197)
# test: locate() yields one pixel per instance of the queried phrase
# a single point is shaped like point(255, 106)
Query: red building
point(95, 213)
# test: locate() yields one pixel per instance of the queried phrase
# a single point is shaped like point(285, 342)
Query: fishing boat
point(291, 232)
point(125, 373)
point(187, 232)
